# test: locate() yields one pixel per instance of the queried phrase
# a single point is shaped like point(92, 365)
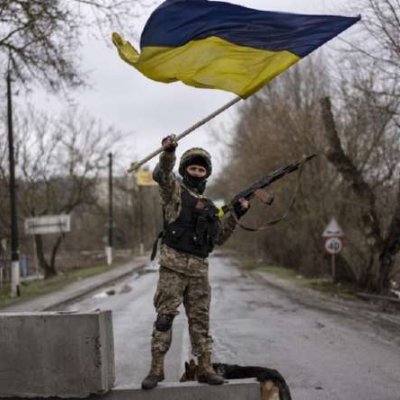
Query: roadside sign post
point(44, 225)
point(35, 258)
point(333, 235)
point(333, 246)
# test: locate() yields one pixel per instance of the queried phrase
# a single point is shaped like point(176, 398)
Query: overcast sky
point(149, 110)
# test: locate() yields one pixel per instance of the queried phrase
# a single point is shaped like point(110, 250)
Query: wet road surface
point(321, 354)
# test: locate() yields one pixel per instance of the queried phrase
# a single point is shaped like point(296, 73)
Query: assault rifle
point(256, 188)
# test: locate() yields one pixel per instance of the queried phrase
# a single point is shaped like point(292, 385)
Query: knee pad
point(164, 322)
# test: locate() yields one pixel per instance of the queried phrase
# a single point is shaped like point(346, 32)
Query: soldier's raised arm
point(162, 173)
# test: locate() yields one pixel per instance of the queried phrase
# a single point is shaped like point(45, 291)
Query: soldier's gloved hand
point(241, 207)
point(169, 143)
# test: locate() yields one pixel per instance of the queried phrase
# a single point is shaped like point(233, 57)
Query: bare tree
point(378, 50)
point(60, 163)
point(41, 37)
point(280, 125)
point(363, 138)
point(383, 242)
point(382, 23)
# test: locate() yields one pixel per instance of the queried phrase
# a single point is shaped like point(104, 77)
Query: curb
point(93, 288)
point(69, 294)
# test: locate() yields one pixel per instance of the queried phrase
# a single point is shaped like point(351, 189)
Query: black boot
point(206, 371)
point(156, 373)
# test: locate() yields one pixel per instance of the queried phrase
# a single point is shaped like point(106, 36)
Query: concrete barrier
point(243, 389)
point(68, 355)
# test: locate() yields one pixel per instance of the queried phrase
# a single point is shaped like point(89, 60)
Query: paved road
point(323, 355)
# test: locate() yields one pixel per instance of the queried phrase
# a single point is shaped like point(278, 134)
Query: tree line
point(350, 117)
point(62, 168)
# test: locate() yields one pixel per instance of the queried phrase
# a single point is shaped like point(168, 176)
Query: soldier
point(191, 229)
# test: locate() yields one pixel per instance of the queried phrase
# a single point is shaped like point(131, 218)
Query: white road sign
point(333, 245)
point(333, 230)
point(48, 224)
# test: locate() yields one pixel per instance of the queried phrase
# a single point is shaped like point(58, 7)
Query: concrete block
point(243, 389)
point(56, 354)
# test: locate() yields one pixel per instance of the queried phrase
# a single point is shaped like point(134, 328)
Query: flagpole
point(136, 165)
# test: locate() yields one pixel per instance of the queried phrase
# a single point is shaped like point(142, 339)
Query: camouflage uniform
point(183, 277)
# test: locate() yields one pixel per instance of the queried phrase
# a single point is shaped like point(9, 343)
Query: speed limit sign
point(333, 245)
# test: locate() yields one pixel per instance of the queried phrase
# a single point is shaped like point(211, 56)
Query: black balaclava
point(192, 182)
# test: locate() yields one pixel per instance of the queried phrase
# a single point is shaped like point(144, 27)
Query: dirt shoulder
point(384, 318)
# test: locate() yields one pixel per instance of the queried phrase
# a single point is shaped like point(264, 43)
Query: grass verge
point(323, 285)
point(32, 289)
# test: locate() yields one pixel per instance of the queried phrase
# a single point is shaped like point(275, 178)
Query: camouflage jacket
point(170, 191)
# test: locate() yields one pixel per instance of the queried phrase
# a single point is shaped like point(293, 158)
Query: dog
point(272, 384)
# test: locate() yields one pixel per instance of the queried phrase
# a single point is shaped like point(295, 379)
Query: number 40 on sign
point(333, 245)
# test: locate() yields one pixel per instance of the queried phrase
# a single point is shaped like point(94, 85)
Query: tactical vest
point(195, 229)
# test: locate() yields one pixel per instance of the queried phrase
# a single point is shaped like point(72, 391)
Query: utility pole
point(110, 211)
point(15, 286)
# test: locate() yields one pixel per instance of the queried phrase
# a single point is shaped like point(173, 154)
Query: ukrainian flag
point(212, 44)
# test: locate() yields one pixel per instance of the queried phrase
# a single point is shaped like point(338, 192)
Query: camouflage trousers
point(173, 289)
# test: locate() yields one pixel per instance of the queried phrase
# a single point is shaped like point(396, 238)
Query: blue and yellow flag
point(212, 44)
